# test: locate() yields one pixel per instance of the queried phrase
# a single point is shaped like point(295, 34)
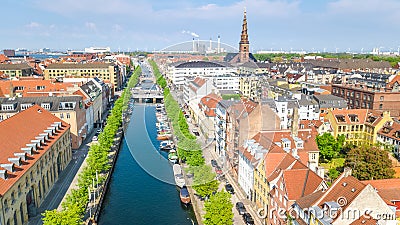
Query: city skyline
point(329, 25)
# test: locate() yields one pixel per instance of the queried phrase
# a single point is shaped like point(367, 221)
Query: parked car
point(95, 138)
point(98, 131)
point(214, 163)
point(229, 188)
point(248, 220)
point(195, 132)
point(240, 208)
point(218, 170)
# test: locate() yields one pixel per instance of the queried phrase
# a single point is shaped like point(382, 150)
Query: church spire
point(244, 41)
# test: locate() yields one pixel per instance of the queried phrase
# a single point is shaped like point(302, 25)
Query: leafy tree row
point(74, 206)
point(160, 79)
point(219, 206)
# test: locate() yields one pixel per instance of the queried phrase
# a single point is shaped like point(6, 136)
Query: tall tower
point(244, 45)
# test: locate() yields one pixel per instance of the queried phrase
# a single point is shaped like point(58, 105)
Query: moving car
point(218, 170)
point(240, 208)
point(214, 163)
point(195, 132)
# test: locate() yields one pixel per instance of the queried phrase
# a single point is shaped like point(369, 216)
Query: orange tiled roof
point(388, 189)
point(30, 87)
point(3, 58)
point(363, 115)
point(14, 135)
point(210, 101)
point(390, 131)
point(301, 182)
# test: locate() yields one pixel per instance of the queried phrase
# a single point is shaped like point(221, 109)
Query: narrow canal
point(142, 189)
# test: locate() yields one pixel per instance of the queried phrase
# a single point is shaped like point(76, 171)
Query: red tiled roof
point(363, 115)
point(301, 182)
point(30, 87)
point(210, 101)
point(388, 189)
point(390, 131)
point(14, 135)
point(3, 58)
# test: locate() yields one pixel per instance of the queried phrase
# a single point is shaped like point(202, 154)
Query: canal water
point(142, 190)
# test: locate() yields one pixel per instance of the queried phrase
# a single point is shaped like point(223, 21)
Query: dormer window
point(353, 118)
point(26, 105)
point(7, 107)
point(66, 105)
point(41, 87)
point(340, 118)
point(46, 106)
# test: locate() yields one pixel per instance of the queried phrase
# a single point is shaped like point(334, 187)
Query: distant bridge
point(147, 96)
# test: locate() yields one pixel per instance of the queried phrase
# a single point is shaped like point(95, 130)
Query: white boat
point(167, 145)
point(179, 178)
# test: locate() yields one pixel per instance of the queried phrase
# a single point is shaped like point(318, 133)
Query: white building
point(176, 73)
point(195, 89)
point(97, 49)
point(249, 157)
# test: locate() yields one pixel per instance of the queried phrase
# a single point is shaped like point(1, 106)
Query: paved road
point(209, 153)
point(66, 177)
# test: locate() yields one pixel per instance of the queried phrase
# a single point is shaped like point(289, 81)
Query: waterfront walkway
point(67, 180)
point(208, 147)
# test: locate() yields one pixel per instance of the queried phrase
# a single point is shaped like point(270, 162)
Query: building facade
point(32, 157)
point(105, 71)
point(68, 108)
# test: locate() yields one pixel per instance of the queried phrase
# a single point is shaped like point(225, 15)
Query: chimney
point(347, 172)
point(219, 45)
point(321, 171)
point(295, 123)
point(193, 45)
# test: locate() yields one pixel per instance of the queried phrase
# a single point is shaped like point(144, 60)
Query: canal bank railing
point(98, 195)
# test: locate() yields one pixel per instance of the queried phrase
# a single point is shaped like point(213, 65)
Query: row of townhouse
point(111, 69)
point(81, 104)
point(279, 172)
point(31, 159)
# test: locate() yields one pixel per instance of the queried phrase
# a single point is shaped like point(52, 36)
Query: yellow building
point(31, 159)
point(360, 126)
point(16, 70)
point(249, 86)
point(105, 71)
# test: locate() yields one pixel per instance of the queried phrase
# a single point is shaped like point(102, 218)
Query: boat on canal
point(164, 136)
point(167, 145)
point(172, 156)
point(178, 176)
point(184, 195)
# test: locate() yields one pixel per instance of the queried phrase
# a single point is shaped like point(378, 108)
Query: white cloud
point(117, 28)
point(91, 26)
point(193, 34)
point(33, 25)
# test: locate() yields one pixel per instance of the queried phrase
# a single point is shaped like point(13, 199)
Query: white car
point(95, 138)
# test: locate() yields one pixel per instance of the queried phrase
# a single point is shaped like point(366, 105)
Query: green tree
point(65, 217)
point(218, 209)
point(326, 145)
point(369, 162)
point(204, 182)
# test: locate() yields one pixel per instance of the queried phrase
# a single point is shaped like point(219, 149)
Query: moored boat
point(172, 156)
point(167, 145)
point(184, 195)
point(179, 178)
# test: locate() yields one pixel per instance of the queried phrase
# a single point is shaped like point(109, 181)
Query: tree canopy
point(328, 146)
point(369, 162)
point(218, 209)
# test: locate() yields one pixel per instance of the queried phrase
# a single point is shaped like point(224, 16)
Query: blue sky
point(155, 24)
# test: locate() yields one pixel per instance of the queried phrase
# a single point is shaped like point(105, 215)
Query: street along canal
point(142, 189)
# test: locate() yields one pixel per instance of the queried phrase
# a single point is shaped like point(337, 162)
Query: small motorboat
point(167, 145)
point(172, 156)
point(184, 195)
